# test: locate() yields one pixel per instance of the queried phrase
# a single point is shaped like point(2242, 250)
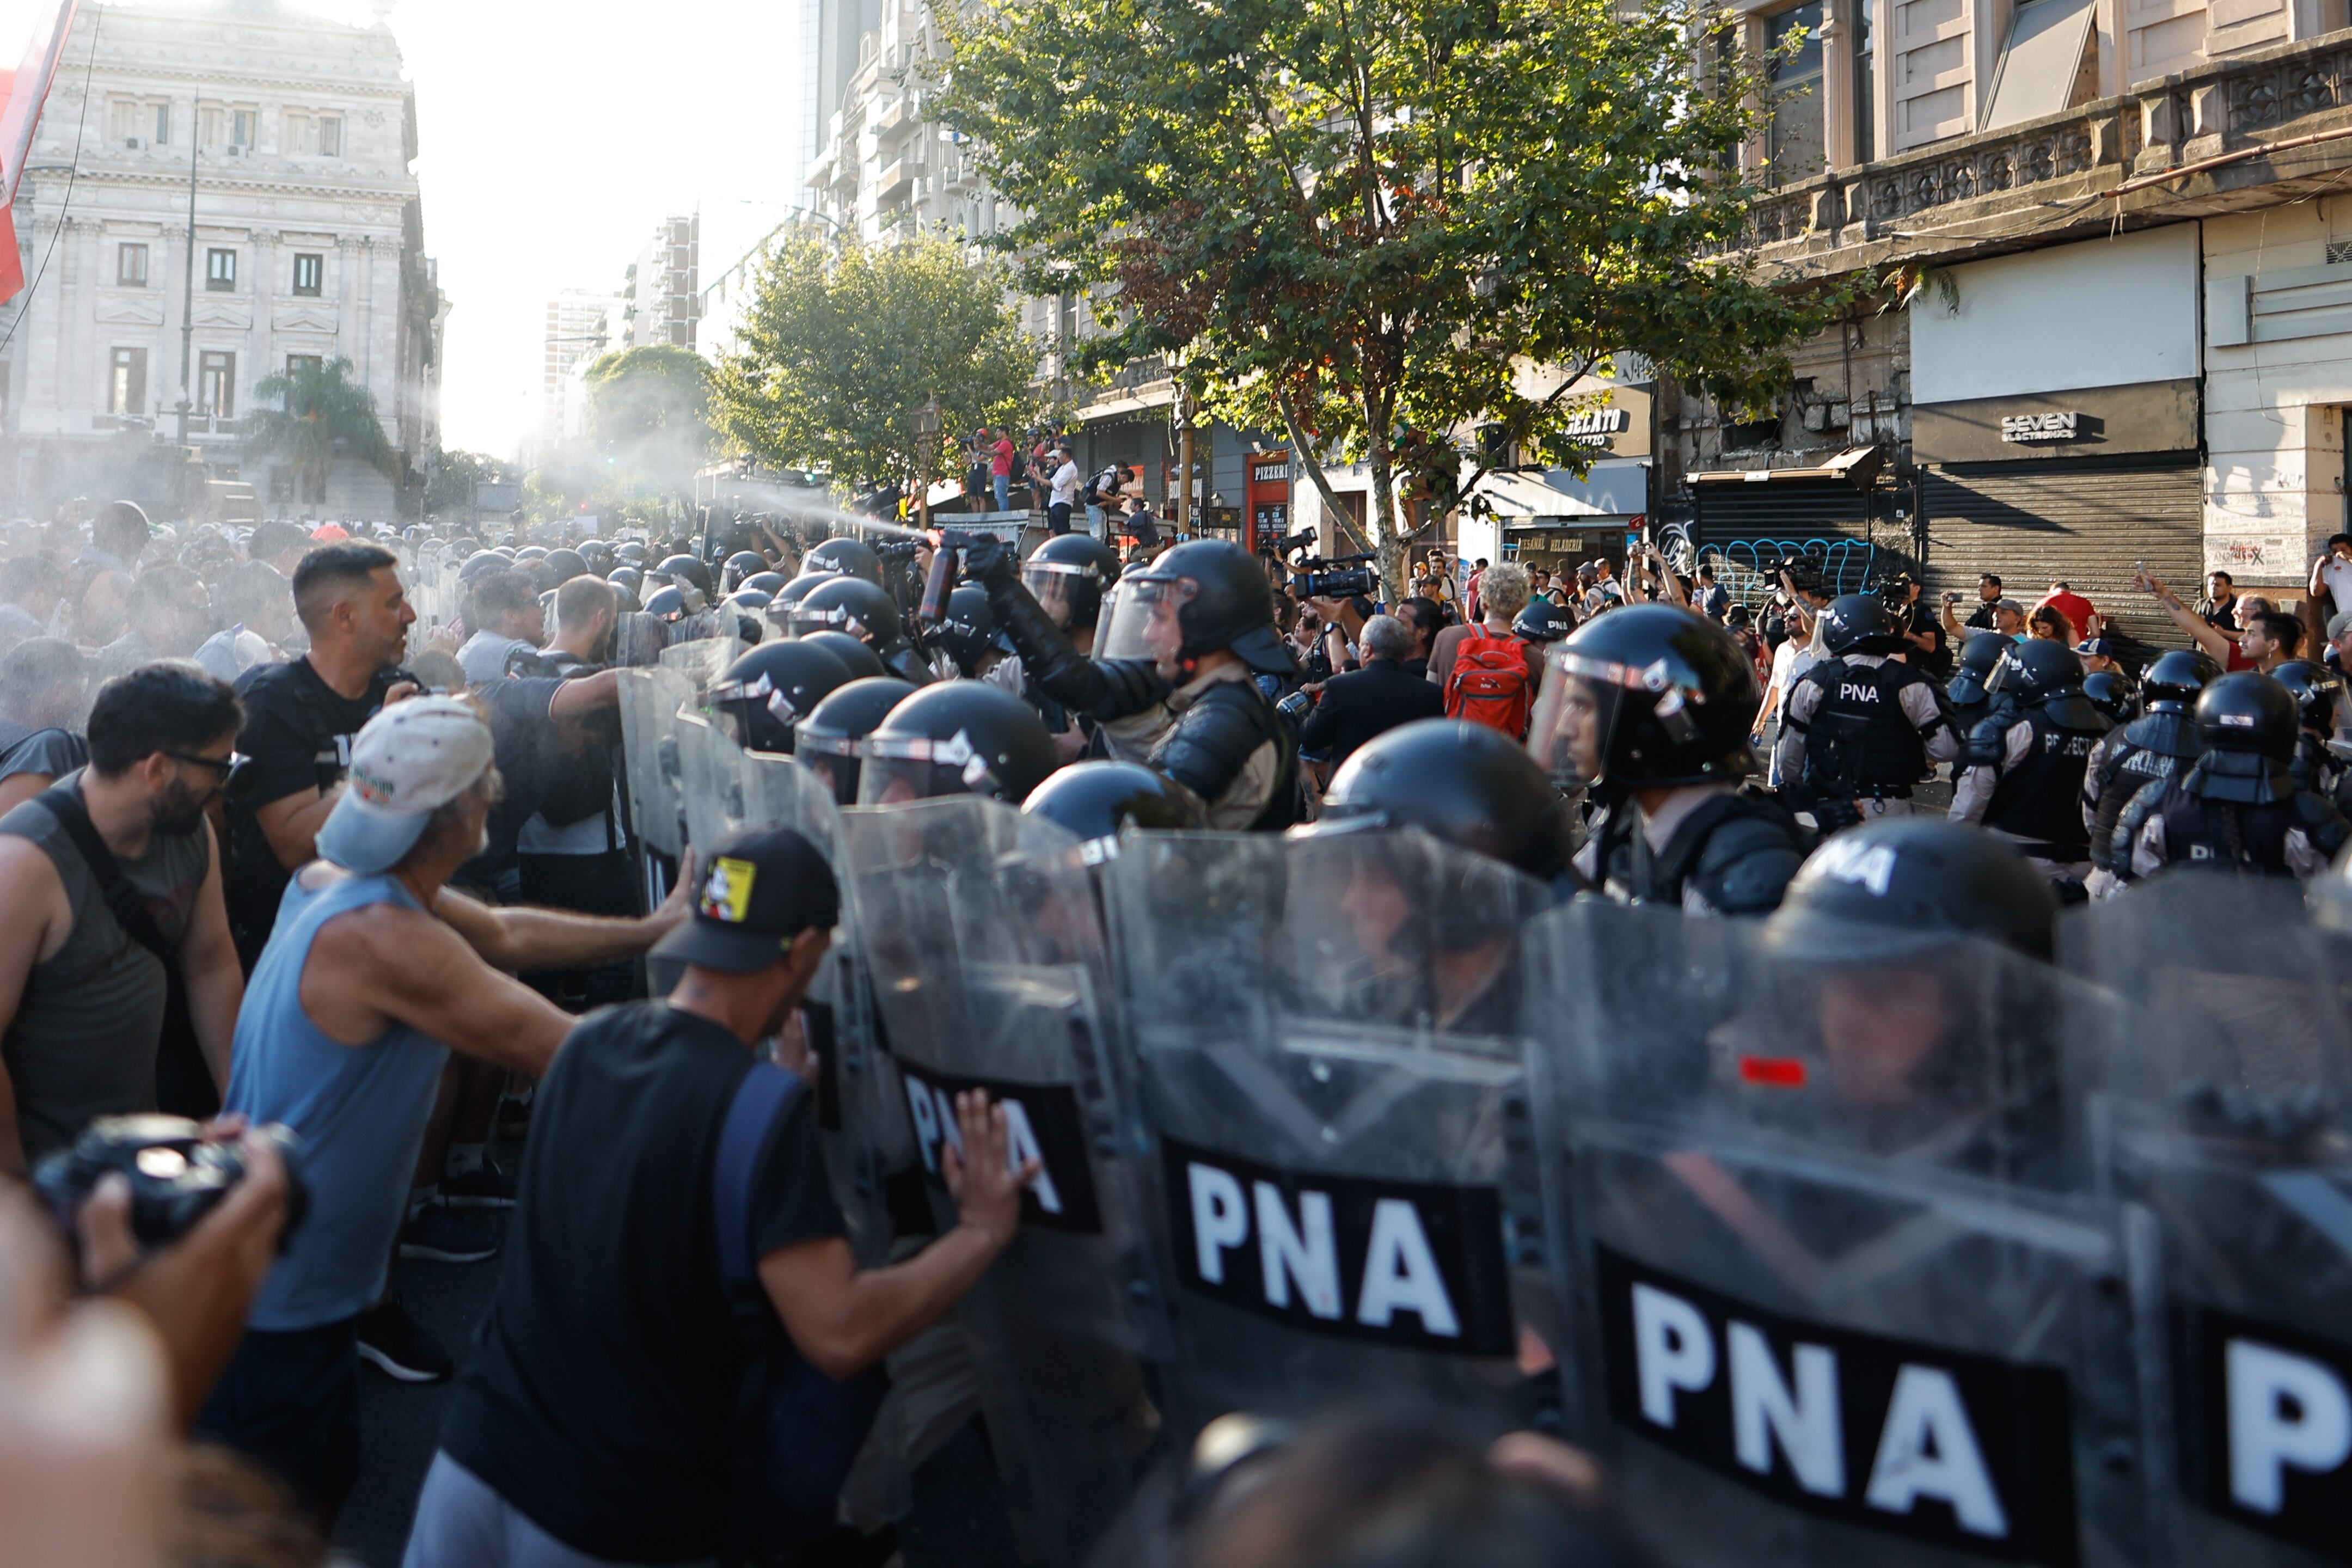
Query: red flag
point(28, 91)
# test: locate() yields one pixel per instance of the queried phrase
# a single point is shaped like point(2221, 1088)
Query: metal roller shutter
point(1750, 525)
point(2080, 522)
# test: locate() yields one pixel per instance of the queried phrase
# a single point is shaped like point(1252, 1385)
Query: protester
point(2263, 638)
point(1065, 481)
point(1988, 596)
point(43, 683)
point(1000, 449)
point(373, 972)
point(1352, 709)
point(1714, 600)
point(82, 992)
point(599, 1425)
point(2079, 612)
point(2219, 607)
point(512, 623)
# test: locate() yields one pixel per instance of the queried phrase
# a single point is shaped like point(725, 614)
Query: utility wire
point(81, 126)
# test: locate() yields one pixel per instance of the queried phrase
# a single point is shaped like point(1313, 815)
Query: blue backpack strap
point(759, 1108)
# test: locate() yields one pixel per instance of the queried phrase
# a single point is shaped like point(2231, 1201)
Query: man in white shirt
point(1065, 493)
point(2331, 575)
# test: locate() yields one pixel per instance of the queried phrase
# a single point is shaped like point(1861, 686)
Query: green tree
point(1373, 224)
point(321, 414)
point(845, 342)
point(454, 475)
point(649, 416)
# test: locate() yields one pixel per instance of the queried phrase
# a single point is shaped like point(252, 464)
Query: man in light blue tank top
point(372, 972)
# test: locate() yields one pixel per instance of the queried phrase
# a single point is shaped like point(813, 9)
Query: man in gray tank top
point(81, 996)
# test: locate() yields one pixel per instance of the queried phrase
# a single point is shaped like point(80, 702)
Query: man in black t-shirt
point(597, 1424)
point(300, 717)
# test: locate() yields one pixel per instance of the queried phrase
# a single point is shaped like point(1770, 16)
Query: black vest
point(2148, 748)
point(2039, 801)
point(2226, 836)
point(1859, 742)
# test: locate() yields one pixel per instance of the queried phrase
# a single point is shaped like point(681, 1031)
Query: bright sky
point(553, 134)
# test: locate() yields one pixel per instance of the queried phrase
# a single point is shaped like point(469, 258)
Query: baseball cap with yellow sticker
point(759, 890)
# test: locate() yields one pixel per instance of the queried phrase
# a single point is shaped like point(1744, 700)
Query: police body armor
point(1807, 1200)
point(980, 928)
point(1324, 1038)
point(1860, 745)
point(2225, 1088)
point(2039, 801)
point(2152, 748)
point(2210, 824)
point(1738, 851)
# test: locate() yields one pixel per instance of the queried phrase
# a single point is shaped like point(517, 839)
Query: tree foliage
point(321, 413)
point(1366, 223)
point(454, 475)
point(649, 416)
point(845, 340)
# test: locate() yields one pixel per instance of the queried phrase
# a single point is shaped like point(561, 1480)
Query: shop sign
point(2063, 424)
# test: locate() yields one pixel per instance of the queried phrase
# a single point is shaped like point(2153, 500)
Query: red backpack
point(1490, 684)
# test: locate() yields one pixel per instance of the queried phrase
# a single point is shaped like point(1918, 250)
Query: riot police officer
point(1174, 686)
point(2238, 809)
point(1891, 886)
point(829, 738)
point(1649, 708)
point(965, 638)
point(2021, 771)
point(2317, 691)
point(1097, 801)
point(2161, 743)
point(1965, 693)
point(1859, 729)
point(768, 690)
point(853, 606)
point(959, 737)
point(1466, 784)
point(1067, 575)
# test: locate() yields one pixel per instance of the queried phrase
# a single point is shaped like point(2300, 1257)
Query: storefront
point(1267, 508)
point(1558, 520)
point(2057, 424)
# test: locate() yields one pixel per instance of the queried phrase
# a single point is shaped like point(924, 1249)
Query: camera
point(176, 1176)
point(1339, 577)
point(1803, 572)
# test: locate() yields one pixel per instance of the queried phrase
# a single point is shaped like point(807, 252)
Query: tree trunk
point(1381, 521)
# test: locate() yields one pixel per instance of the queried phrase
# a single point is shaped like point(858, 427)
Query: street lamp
point(930, 420)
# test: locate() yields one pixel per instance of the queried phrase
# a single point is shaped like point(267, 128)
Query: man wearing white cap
point(372, 972)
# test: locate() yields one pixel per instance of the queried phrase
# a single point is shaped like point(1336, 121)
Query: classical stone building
point(2114, 245)
point(309, 244)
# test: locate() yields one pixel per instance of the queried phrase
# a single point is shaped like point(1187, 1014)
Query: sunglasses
point(236, 771)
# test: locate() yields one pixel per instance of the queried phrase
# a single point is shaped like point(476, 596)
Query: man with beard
point(102, 875)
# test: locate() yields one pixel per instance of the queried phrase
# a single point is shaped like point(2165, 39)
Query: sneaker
point(484, 1187)
point(439, 1236)
point(396, 1345)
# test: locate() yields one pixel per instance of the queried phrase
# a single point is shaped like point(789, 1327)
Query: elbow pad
point(1213, 740)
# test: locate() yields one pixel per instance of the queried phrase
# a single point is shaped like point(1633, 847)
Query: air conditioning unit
point(133, 143)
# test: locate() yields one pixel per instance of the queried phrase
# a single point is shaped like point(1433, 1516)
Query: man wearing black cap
point(596, 1424)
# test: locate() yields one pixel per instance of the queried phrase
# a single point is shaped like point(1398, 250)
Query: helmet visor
point(804, 619)
point(833, 757)
point(1145, 619)
point(915, 767)
point(1576, 716)
point(1059, 589)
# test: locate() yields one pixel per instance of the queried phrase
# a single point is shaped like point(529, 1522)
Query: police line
point(1839, 1250)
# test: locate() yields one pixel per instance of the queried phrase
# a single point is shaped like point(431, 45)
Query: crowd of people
point(275, 855)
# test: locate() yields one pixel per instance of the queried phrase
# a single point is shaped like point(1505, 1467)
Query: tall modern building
point(661, 300)
point(298, 134)
point(580, 325)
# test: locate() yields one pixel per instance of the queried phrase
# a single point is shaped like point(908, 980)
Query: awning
point(1857, 466)
point(1616, 490)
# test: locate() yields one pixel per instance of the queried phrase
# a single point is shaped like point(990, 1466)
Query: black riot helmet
point(849, 557)
point(2171, 684)
point(598, 557)
point(855, 656)
point(630, 551)
point(2318, 690)
point(531, 553)
point(1543, 622)
point(624, 596)
point(960, 737)
point(830, 737)
point(799, 588)
point(1069, 576)
point(1978, 657)
point(774, 687)
point(682, 569)
point(767, 582)
point(852, 604)
point(480, 562)
point(566, 564)
point(2111, 694)
point(1096, 801)
point(738, 567)
point(674, 603)
point(2247, 712)
point(1199, 597)
point(1858, 622)
point(1651, 694)
point(1468, 785)
point(2035, 670)
point(748, 603)
point(1902, 883)
point(626, 578)
point(968, 628)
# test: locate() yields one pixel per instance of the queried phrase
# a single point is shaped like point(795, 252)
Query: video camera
point(1320, 577)
point(1803, 572)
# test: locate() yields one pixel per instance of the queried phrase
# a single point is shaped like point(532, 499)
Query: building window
point(2044, 63)
point(122, 121)
point(1792, 138)
point(126, 382)
point(217, 386)
point(310, 273)
point(321, 134)
point(163, 122)
point(331, 136)
point(220, 271)
point(1865, 85)
point(297, 363)
point(131, 266)
point(241, 127)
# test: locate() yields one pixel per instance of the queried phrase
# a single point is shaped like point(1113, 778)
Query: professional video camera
point(176, 1175)
point(1803, 572)
point(1321, 577)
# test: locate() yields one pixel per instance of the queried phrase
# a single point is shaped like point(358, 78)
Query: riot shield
point(1325, 1036)
point(1837, 1300)
point(649, 700)
point(979, 928)
point(2223, 1105)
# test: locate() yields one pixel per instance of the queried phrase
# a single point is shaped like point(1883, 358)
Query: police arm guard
point(1987, 745)
point(1213, 740)
point(1105, 688)
point(1746, 865)
point(2143, 805)
point(2322, 823)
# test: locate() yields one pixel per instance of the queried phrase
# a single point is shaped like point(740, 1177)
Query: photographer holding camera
point(1174, 687)
point(1355, 708)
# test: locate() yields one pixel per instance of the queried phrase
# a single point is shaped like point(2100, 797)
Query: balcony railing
point(1954, 194)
